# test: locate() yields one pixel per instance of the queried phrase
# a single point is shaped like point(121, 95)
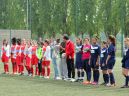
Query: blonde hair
point(127, 39)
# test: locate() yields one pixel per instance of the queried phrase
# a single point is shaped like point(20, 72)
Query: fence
point(9, 34)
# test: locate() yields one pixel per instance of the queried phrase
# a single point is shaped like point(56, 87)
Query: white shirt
point(5, 49)
point(28, 51)
point(47, 53)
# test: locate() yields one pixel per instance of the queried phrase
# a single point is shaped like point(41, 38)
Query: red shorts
point(28, 61)
point(34, 60)
point(18, 60)
point(5, 59)
point(46, 63)
point(22, 58)
point(13, 60)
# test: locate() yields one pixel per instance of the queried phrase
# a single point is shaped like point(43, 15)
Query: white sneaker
point(108, 85)
point(57, 78)
point(73, 80)
point(47, 77)
point(67, 79)
point(30, 75)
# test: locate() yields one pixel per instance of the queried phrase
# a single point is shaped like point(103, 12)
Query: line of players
point(89, 57)
point(33, 56)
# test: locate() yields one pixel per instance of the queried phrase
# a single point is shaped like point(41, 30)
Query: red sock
point(36, 73)
point(15, 68)
point(7, 67)
point(20, 69)
point(48, 71)
point(43, 71)
point(28, 69)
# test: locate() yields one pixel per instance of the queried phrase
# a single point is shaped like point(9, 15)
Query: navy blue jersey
point(78, 61)
point(125, 59)
point(78, 49)
point(112, 51)
point(103, 56)
point(95, 51)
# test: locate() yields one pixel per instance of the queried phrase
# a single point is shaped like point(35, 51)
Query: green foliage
point(49, 17)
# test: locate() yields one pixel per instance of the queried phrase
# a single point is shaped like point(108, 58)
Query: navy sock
point(104, 78)
point(78, 73)
point(126, 80)
point(107, 78)
point(88, 76)
point(82, 74)
point(112, 79)
point(97, 75)
point(94, 75)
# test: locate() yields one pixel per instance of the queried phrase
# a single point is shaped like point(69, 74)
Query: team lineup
point(87, 56)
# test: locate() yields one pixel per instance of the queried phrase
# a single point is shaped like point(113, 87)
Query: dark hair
point(19, 41)
point(79, 40)
point(66, 37)
point(42, 43)
point(4, 42)
point(104, 42)
point(58, 40)
point(14, 40)
point(47, 41)
point(112, 39)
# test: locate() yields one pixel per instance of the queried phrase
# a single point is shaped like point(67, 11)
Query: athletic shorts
point(103, 67)
point(18, 60)
point(110, 64)
point(5, 59)
point(13, 60)
point(46, 63)
point(93, 64)
point(28, 61)
point(22, 58)
point(34, 60)
point(126, 64)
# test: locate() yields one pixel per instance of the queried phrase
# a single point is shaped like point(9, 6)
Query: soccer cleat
point(124, 86)
point(103, 83)
point(113, 85)
point(108, 85)
point(57, 78)
point(72, 80)
point(94, 83)
point(77, 80)
point(86, 82)
point(67, 79)
point(47, 77)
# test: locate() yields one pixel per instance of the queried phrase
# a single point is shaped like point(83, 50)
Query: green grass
point(28, 86)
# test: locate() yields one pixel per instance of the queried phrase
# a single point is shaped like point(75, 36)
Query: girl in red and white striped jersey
point(28, 57)
point(5, 53)
point(13, 55)
point(34, 60)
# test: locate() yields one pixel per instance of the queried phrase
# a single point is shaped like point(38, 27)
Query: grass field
point(29, 86)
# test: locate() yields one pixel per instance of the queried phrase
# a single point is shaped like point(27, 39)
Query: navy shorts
point(86, 65)
point(79, 65)
point(93, 64)
point(78, 62)
point(125, 64)
point(103, 67)
point(110, 64)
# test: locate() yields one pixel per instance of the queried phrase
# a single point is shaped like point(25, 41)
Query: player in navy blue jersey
point(103, 65)
point(125, 64)
point(95, 59)
point(111, 59)
point(78, 61)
